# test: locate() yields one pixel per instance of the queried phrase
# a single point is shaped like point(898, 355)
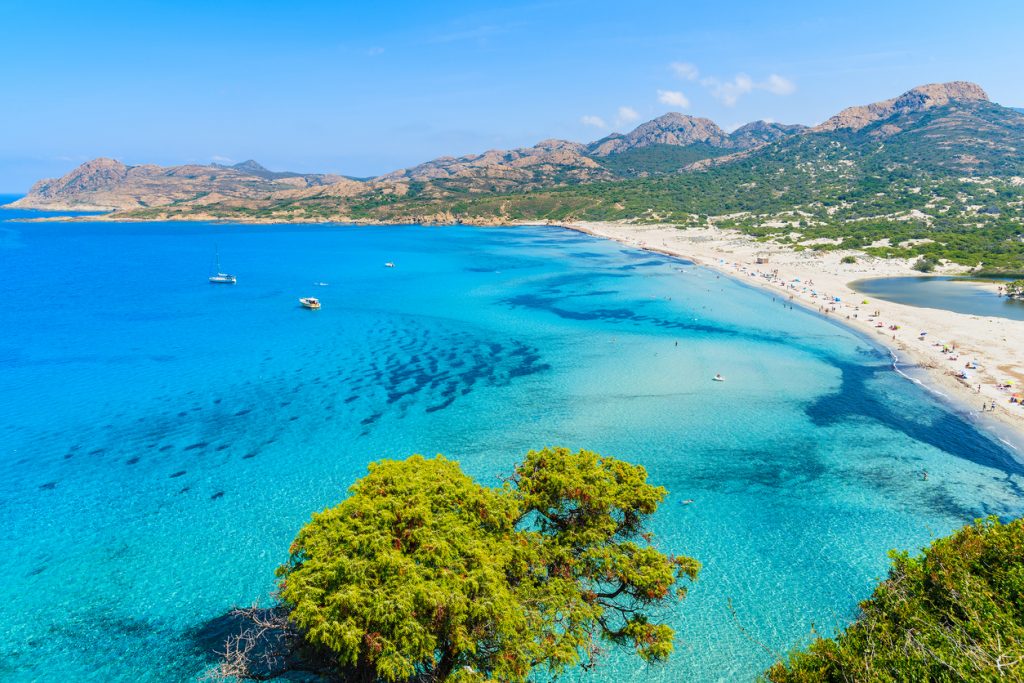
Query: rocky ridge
point(547, 162)
point(669, 129)
point(914, 100)
point(109, 185)
point(967, 132)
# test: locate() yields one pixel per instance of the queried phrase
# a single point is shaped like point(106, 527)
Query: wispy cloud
point(374, 51)
point(478, 34)
point(777, 85)
point(685, 70)
point(626, 115)
point(673, 98)
point(218, 159)
point(729, 92)
point(595, 121)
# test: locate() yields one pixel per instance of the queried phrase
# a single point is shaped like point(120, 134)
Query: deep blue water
point(163, 439)
point(956, 294)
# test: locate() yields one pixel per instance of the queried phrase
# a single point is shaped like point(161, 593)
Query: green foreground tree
point(422, 574)
point(954, 614)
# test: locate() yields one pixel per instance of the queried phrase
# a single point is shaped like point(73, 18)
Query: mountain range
point(885, 159)
point(670, 143)
point(680, 140)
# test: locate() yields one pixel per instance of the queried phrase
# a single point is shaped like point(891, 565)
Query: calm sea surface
point(162, 439)
point(948, 293)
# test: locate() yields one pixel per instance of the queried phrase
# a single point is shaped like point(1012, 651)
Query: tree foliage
point(956, 613)
point(423, 574)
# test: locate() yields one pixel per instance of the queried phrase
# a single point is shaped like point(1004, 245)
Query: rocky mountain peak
point(914, 100)
point(94, 175)
point(251, 166)
point(672, 128)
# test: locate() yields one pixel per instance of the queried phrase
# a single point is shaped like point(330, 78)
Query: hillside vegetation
point(956, 613)
point(937, 172)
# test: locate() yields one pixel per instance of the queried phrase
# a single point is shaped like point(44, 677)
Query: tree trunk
point(445, 666)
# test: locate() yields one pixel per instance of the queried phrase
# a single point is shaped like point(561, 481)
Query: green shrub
point(956, 613)
point(924, 265)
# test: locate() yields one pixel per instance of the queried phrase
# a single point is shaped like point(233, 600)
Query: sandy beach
point(816, 279)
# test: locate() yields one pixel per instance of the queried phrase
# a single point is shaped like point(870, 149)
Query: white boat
point(310, 302)
point(717, 378)
point(222, 278)
point(389, 264)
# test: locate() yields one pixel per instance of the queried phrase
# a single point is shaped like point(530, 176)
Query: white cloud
point(595, 121)
point(673, 98)
point(777, 85)
point(685, 70)
point(729, 92)
point(374, 51)
point(218, 159)
point(626, 115)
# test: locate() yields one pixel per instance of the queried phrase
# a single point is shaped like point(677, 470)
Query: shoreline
point(735, 255)
point(915, 358)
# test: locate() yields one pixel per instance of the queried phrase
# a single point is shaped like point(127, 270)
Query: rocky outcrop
point(96, 176)
point(915, 100)
point(547, 162)
point(670, 129)
point(109, 185)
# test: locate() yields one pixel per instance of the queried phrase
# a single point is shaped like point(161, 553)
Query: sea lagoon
point(970, 296)
point(163, 439)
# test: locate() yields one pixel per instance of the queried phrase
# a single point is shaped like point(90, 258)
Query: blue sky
point(365, 88)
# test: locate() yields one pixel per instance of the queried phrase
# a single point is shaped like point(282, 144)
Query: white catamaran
point(222, 278)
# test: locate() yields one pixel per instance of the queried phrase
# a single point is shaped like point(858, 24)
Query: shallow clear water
point(163, 439)
point(956, 294)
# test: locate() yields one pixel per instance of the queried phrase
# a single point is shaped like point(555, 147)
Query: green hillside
point(658, 159)
point(943, 183)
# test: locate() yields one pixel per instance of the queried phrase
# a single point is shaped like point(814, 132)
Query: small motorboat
point(310, 302)
point(389, 264)
point(717, 378)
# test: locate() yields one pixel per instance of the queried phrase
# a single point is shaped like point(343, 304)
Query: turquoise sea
point(163, 439)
